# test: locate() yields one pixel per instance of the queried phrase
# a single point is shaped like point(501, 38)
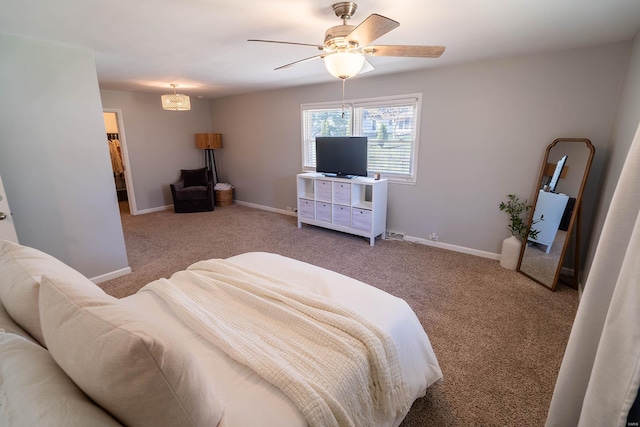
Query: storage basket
point(224, 197)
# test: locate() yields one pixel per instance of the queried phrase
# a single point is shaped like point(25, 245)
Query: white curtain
point(600, 372)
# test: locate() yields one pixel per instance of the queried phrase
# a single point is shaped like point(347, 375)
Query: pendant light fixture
point(176, 101)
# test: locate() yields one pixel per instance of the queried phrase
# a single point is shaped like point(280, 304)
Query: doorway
point(119, 160)
point(7, 229)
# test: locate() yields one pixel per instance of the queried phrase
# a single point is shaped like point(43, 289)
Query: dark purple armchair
point(194, 191)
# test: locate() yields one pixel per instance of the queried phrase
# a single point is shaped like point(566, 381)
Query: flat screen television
point(341, 156)
point(553, 181)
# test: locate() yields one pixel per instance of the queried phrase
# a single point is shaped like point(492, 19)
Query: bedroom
point(89, 236)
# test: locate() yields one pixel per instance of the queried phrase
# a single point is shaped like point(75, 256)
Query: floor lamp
point(209, 142)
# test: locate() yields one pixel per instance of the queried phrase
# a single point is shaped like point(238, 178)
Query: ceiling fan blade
point(322, 55)
point(373, 27)
point(404, 50)
point(275, 41)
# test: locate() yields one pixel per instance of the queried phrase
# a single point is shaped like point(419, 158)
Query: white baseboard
point(238, 202)
point(455, 248)
point(158, 209)
point(265, 208)
point(411, 239)
point(111, 275)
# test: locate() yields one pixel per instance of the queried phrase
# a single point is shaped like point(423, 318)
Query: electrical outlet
point(289, 208)
point(433, 237)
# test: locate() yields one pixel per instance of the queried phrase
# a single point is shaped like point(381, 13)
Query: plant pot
point(510, 252)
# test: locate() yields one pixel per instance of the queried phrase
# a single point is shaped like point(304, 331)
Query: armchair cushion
point(193, 193)
point(194, 177)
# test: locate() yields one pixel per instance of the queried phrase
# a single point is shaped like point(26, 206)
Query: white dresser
point(550, 206)
point(356, 206)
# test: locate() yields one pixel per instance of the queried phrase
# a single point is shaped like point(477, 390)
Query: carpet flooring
point(499, 337)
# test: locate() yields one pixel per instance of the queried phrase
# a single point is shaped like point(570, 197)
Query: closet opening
point(119, 161)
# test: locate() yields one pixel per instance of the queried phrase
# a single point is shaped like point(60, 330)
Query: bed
point(139, 362)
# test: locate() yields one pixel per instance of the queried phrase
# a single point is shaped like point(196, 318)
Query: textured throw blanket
point(337, 367)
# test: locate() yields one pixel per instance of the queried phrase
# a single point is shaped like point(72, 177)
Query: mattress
point(251, 401)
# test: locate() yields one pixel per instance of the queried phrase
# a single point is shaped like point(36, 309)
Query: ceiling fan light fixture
point(176, 101)
point(344, 64)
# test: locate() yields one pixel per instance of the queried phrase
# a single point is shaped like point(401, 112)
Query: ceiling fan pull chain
point(343, 82)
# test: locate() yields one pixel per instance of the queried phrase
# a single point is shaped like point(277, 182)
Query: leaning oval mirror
point(555, 213)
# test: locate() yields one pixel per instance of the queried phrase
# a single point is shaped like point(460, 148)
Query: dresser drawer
point(323, 211)
point(361, 219)
point(342, 193)
point(307, 208)
point(342, 215)
point(323, 190)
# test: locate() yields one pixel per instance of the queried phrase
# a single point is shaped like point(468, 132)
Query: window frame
point(353, 105)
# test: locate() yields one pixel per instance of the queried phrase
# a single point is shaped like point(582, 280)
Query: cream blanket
point(337, 367)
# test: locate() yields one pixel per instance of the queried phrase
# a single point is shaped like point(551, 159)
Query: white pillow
point(34, 391)
point(21, 269)
point(123, 363)
point(9, 326)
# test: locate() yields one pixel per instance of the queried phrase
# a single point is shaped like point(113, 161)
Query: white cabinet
point(357, 206)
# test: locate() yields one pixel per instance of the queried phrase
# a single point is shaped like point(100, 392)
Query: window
point(390, 123)
point(322, 122)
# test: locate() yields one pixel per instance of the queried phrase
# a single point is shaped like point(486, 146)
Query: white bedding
point(251, 401)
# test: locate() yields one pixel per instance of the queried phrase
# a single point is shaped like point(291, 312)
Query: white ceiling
point(201, 45)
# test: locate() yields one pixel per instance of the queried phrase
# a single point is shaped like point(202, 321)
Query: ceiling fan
point(345, 46)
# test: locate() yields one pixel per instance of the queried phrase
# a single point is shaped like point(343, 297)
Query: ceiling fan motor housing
point(334, 38)
point(345, 9)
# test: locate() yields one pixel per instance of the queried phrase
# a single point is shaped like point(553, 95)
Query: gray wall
point(484, 130)
point(625, 125)
point(54, 158)
point(159, 142)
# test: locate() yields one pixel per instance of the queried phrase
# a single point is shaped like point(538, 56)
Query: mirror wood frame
point(575, 214)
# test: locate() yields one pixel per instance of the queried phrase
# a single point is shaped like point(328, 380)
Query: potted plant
point(515, 208)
